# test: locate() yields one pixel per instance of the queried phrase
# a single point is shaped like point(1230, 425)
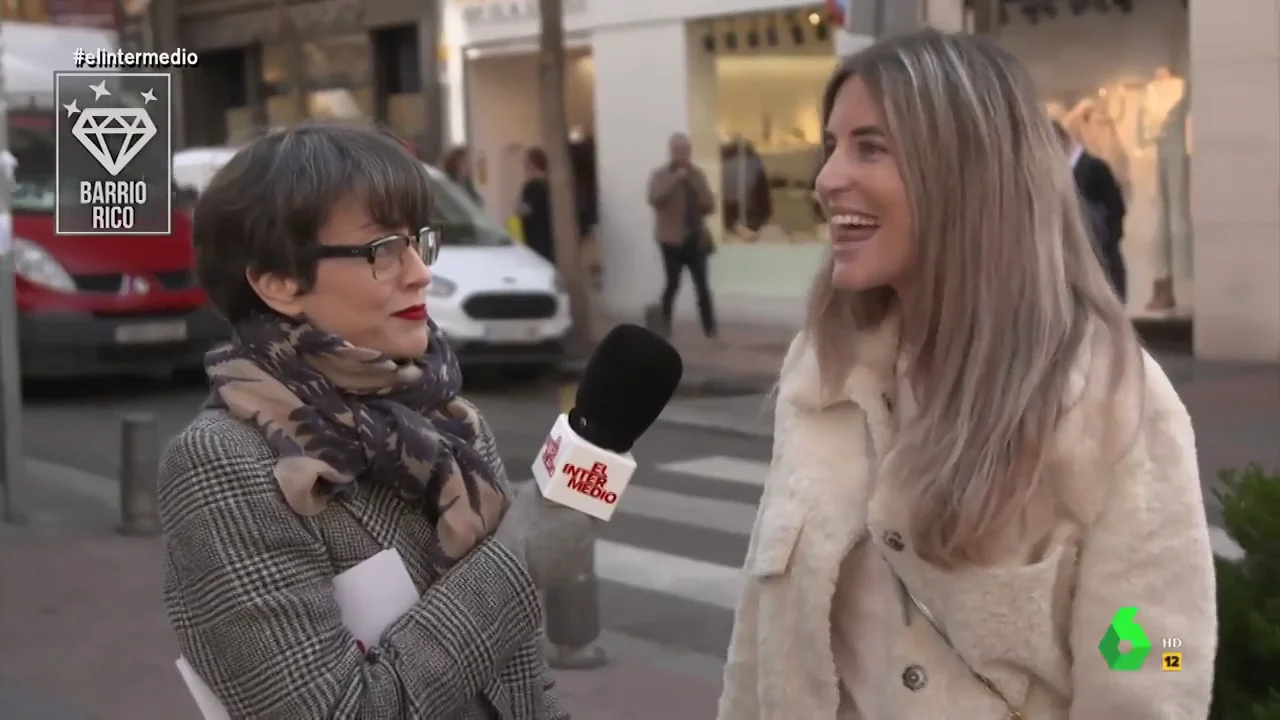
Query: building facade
point(269, 63)
point(742, 78)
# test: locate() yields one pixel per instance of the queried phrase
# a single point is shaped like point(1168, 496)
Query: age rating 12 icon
point(114, 153)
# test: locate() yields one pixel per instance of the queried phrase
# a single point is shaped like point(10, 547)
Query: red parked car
point(97, 305)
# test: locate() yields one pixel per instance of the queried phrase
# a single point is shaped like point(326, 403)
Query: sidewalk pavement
point(84, 636)
point(1235, 407)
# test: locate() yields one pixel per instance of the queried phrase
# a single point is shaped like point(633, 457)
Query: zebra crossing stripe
point(723, 468)
point(726, 516)
point(636, 567)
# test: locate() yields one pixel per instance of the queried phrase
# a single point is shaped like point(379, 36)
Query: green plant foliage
point(1247, 682)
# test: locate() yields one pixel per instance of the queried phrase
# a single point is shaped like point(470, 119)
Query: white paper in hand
point(370, 597)
point(208, 703)
point(374, 594)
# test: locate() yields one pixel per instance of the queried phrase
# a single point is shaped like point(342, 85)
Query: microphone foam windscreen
point(627, 382)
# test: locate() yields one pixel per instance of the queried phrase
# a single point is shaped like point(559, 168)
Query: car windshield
point(31, 143)
point(461, 220)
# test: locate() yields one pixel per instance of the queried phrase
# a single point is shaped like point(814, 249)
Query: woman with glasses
point(335, 430)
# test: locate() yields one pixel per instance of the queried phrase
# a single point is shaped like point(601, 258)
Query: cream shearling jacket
point(1032, 626)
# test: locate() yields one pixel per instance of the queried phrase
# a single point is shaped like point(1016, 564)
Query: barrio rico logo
point(549, 452)
point(591, 481)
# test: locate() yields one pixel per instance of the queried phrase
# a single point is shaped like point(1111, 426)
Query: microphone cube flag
point(576, 474)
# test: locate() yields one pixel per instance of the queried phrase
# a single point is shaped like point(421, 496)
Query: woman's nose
point(832, 177)
point(417, 273)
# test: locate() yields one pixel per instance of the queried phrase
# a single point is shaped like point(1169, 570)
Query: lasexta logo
point(591, 481)
point(1123, 627)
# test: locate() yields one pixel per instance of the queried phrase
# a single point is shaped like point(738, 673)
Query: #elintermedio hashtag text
point(105, 59)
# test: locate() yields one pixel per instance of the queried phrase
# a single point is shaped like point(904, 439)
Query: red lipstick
point(415, 313)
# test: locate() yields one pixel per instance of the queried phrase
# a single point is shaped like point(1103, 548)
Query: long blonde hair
point(1006, 288)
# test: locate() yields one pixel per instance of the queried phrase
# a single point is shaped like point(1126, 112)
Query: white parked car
point(497, 301)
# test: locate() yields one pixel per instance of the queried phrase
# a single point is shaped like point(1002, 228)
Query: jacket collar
point(874, 367)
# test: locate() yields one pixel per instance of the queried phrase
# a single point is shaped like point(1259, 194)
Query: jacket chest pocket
point(776, 538)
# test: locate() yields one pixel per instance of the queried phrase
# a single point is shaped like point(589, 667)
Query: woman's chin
point(407, 346)
point(853, 278)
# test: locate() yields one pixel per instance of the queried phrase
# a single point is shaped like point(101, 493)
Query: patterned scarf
point(336, 413)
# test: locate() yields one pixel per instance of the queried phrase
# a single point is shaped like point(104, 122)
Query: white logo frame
point(161, 79)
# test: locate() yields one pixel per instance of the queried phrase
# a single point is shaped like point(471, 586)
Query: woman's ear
point(280, 293)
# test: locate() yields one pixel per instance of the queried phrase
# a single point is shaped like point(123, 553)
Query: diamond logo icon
point(97, 128)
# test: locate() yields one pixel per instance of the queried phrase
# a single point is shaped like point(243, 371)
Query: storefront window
point(337, 76)
point(770, 72)
point(1117, 81)
point(342, 61)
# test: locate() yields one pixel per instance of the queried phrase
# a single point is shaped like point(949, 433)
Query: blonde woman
point(975, 464)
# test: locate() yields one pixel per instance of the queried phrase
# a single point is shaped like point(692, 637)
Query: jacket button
point(913, 678)
point(893, 541)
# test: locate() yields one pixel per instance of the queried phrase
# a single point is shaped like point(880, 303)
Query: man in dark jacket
point(1104, 207)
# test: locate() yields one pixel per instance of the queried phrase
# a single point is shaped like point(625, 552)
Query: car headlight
point(33, 263)
point(441, 288)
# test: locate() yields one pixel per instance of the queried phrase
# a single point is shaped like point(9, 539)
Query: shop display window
point(771, 69)
point(1117, 81)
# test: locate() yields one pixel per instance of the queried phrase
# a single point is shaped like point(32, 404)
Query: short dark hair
point(537, 157)
point(262, 211)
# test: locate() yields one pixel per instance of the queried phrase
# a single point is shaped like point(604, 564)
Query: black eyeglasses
point(387, 254)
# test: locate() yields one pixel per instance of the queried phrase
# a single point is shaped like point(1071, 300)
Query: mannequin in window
point(1168, 105)
point(747, 205)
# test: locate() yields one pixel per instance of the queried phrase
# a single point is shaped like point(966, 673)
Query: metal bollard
point(572, 606)
point(139, 465)
point(573, 620)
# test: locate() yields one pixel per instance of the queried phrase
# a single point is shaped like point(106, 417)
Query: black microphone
point(629, 379)
point(585, 462)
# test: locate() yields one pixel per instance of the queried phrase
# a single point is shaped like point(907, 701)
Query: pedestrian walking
point(534, 206)
point(335, 430)
point(457, 166)
point(976, 466)
point(586, 190)
point(681, 198)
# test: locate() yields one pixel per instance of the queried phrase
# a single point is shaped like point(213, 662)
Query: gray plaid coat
point(248, 591)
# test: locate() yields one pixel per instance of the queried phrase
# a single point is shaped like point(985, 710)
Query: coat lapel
point(815, 512)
